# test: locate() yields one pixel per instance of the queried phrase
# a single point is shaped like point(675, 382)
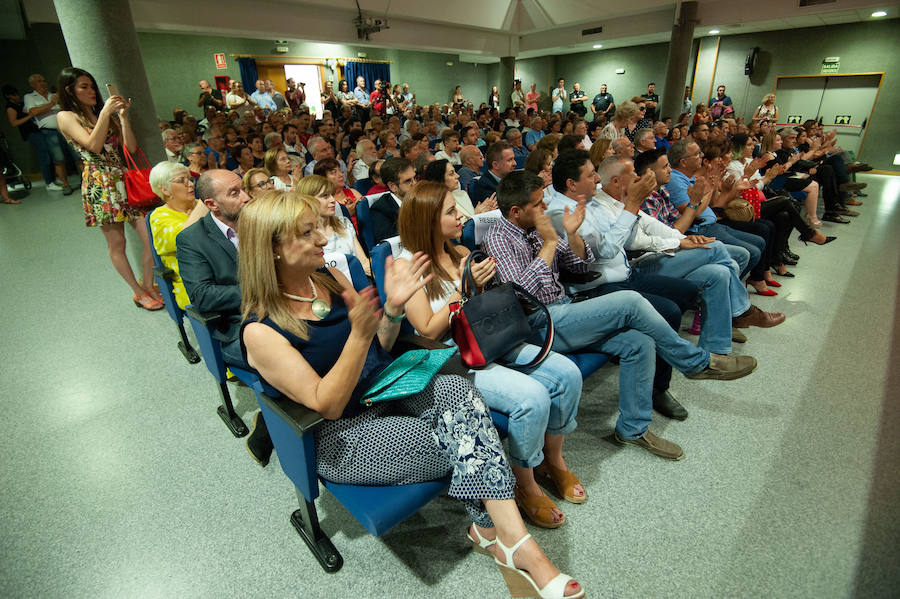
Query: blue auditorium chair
point(163, 275)
point(292, 427)
point(211, 348)
point(364, 222)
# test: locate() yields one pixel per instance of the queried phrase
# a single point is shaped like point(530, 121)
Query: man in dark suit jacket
point(207, 257)
point(399, 175)
point(501, 161)
point(207, 260)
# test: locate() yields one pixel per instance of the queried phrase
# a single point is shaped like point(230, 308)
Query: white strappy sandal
point(521, 584)
point(479, 543)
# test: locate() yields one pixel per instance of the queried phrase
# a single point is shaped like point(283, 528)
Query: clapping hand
point(545, 228)
point(402, 280)
point(487, 205)
point(638, 191)
point(700, 193)
point(751, 168)
point(364, 312)
point(572, 220)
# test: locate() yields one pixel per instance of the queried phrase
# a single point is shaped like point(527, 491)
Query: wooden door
point(273, 71)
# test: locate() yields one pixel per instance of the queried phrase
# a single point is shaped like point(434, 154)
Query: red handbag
point(137, 182)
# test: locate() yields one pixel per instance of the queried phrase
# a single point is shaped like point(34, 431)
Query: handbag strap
point(548, 338)
point(467, 281)
point(129, 159)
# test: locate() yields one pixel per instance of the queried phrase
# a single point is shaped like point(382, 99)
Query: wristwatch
point(694, 206)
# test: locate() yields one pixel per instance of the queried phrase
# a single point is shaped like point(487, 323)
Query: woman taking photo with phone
point(97, 130)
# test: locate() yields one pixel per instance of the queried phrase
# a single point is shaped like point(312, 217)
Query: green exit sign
point(830, 67)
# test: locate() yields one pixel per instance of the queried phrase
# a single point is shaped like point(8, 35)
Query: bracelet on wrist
point(392, 318)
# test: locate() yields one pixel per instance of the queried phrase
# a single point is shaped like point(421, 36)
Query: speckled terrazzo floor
point(119, 479)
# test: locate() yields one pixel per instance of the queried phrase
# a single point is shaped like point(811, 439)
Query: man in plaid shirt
point(529, 252)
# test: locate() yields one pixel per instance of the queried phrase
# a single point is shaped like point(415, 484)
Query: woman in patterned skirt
point(313, 337)
point(91, 129)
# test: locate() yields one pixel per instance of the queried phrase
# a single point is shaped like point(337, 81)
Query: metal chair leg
point(189, 353)
point(306, 521)
point(228, 415)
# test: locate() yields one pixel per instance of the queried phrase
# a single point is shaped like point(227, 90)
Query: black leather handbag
point(487, 325)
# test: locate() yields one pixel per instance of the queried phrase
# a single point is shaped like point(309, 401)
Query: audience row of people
point(619, 234)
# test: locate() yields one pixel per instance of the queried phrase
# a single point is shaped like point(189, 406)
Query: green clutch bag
point(407, 375)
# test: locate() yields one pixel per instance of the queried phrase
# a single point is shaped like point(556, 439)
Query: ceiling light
point(879, 13)
point(714, 31)
point(598, 46)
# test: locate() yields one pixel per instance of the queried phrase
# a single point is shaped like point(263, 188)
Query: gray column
point(507, 74)
point(101, 39)
point(679, 55)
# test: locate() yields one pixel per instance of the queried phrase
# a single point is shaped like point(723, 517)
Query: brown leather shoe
point(737, 336)
point(655, 445)
point(754, 317)
point(726, 368)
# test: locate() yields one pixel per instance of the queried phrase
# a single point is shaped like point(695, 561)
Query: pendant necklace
point(320, 308)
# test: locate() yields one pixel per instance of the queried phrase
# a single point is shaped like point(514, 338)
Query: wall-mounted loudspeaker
point(750, 63)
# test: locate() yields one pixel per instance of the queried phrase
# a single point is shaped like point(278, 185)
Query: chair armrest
point(300, 418)
point(204, 318)
point(164, 272)
point(405, 343)
point(577, 278)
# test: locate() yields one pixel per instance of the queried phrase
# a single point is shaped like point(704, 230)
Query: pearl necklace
point(320, 308)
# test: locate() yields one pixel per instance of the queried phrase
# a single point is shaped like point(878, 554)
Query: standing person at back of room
point(96, 134)
point(651, 102)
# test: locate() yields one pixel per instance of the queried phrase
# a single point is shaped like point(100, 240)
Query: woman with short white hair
point(173, 183)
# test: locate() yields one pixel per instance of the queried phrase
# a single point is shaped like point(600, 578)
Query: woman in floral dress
point(91, 129)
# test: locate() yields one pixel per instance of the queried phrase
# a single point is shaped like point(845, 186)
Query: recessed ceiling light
point(714, 31)
point(879, 13)
point(598, 45)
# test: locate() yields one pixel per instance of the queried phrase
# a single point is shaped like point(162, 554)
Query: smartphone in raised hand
point(112, 89)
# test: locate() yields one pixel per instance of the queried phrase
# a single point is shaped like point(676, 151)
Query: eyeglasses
point(183, 181)
point(265, 184)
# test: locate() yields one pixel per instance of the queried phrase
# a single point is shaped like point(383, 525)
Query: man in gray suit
point(207, 262)
point(207, 257)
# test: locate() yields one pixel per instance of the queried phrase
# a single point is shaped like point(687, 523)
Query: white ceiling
point(480, 30)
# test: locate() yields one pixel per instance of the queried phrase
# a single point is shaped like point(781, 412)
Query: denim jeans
point(53, 144)
point(765, 229)
point(752, 243)
point(538, 400)
point(670, 297)
point(624, 324)
point(45, 160)
point(721, 291)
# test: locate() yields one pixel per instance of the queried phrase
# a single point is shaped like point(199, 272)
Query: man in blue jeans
point(574, 178)
point(529, 252)
point(726, 304)
point(686, 160)
point(44, 106)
